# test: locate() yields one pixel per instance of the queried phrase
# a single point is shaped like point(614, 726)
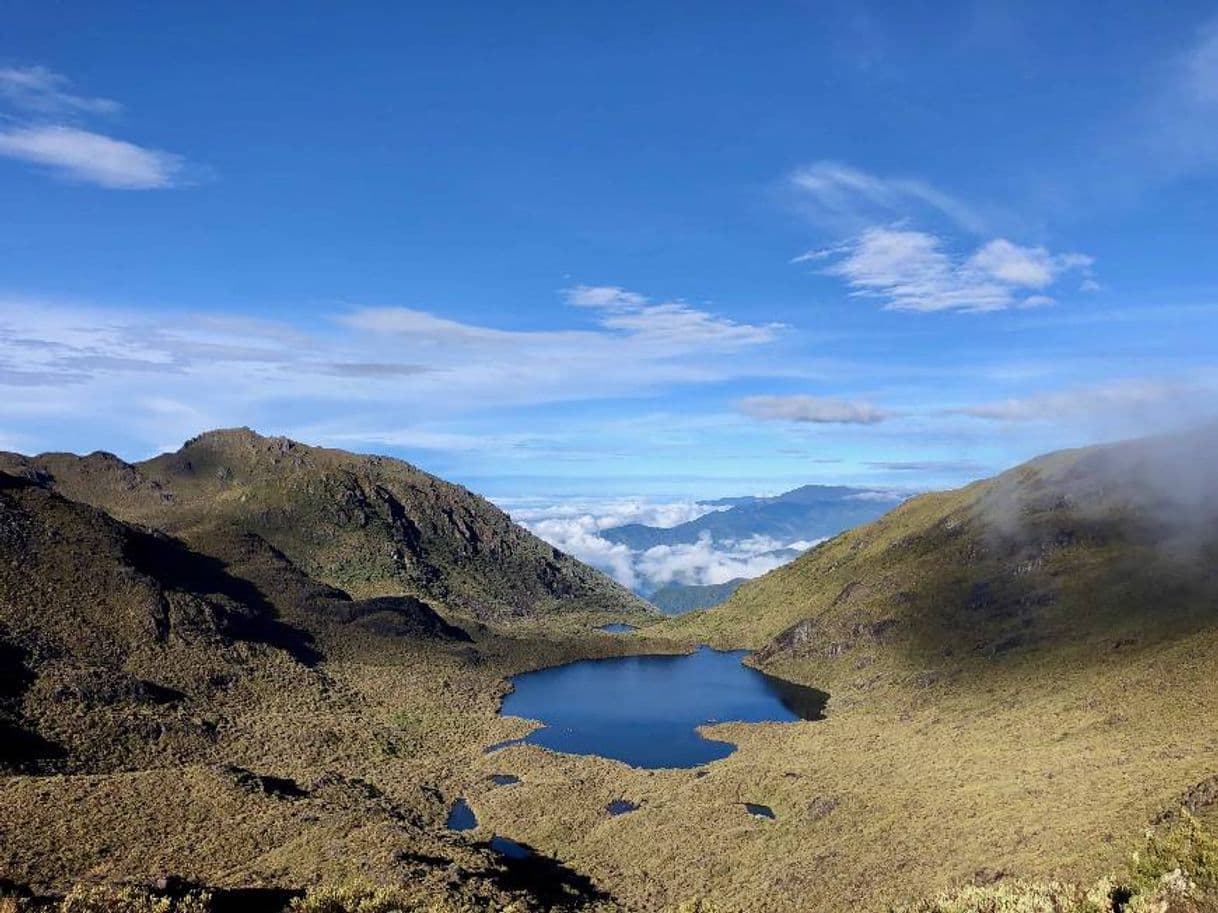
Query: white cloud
point(1029, 267)
point(603, 296)
point(579, 536)
point(673, 321)
point(604, 513)
point(707, 561)
point(813, 409)
point(575, 527)
point(43, 132)
point(44, 91)
point(911, 270)
point(91, 157)
point(841, 196)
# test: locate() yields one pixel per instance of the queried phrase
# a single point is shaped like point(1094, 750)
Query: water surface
point(461, 817)
point(510, 848)
point(644, 710)
point(618, 627)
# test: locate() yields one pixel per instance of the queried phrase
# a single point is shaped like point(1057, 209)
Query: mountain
point(677, 598)
point(185, 703)
point(802, 515)
point(112, 629)
point(1079, 553)
point(368, 525)
point(1022, 677)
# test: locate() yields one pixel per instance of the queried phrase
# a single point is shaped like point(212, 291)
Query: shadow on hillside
point(21, 749)
point(253, 618)
point(554, 885)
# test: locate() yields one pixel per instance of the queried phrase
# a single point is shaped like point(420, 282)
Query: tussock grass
point(1175, 871)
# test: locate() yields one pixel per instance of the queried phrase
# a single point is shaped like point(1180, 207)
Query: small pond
point(618, 627)
point(620, 807)
point(644, 710)
point(510, 848)
point(461, 817)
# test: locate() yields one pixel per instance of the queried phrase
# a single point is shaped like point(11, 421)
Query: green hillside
point(372, 526)
point(1022, 676)
point(679, 598)
point(1081, 555)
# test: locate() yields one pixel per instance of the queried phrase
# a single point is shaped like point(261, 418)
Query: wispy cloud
point(44, 91)
point(43, 131)
point(843, 197)
point(631, 327)
point(928, 466)
point(1176, 133)
point(914, 271)
point(92, 158)
point(406, 367)
point(812, 409)
point(1145, 402)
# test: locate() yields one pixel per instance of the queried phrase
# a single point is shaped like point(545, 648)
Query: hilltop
point(369, 525)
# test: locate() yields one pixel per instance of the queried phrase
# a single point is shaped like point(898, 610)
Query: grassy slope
point(1071, 558)
point(1044, 757)
point(157, 688)
point(1024, 673)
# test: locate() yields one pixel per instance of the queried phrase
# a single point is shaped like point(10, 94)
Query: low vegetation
point(1176, 871)
point(205, 700)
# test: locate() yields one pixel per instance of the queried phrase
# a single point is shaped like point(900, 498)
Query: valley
point(257, 665)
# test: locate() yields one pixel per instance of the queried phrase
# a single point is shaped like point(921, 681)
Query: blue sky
point(605, 250)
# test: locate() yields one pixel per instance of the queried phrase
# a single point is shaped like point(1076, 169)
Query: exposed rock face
point(371, 526)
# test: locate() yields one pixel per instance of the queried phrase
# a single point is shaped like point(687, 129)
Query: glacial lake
point(644, 710)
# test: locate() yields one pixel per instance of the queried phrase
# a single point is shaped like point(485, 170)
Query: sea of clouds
point(575, 526)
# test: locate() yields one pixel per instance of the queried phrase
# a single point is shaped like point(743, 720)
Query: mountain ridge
point(806, 513)
point(369, 525)
point(1061, 553)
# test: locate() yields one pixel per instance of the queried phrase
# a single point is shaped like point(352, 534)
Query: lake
point(644, 710)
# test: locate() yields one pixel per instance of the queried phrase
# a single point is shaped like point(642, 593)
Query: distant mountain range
point(804, 514)
point(783, 526)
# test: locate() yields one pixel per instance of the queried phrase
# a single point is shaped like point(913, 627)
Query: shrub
point(1186, 848)
point(112, 899)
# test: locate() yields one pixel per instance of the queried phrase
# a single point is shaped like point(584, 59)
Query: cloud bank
point(575, 528)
